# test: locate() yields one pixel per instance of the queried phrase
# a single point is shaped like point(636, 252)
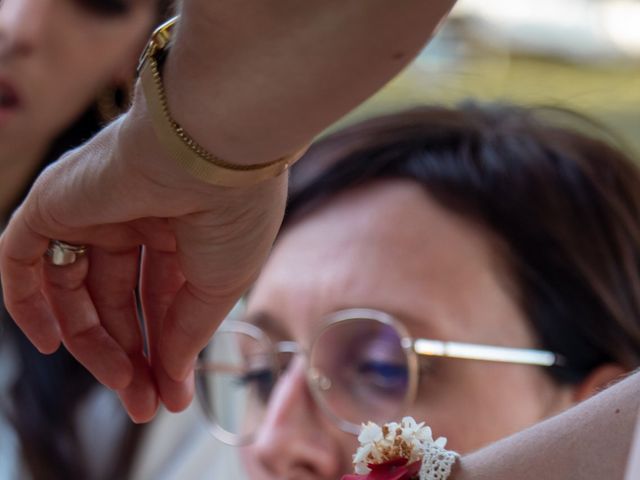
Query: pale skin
point(203, 244)
point(389, 246)
point(57, 57)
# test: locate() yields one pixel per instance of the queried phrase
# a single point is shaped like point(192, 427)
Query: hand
point(202, 247)
point(293, 69)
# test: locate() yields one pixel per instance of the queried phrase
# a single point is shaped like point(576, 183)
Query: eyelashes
point(107, 8)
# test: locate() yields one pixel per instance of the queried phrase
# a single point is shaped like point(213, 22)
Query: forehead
point(390, 246)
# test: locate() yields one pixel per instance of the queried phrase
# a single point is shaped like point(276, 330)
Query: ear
point(598, 380)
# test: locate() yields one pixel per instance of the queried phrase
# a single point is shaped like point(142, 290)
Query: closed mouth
point(9, 99)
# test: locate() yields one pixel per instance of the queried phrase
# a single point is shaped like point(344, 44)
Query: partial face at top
point(57, 55)
point(388, 246)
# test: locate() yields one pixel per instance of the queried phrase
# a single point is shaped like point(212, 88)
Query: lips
point(8, 96)
point(10, 102)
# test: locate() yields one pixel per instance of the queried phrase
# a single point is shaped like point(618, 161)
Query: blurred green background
point(579, 54)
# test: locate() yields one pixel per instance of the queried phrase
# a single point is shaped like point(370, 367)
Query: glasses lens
point(360, 371)
point(235, 378)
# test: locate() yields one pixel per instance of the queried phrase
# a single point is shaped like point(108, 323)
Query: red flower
point(396, 469)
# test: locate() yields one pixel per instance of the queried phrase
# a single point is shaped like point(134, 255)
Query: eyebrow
point(416, 325)
point(269, 324)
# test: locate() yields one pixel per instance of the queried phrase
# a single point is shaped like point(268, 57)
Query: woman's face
point(389, 247)
point(55, 58)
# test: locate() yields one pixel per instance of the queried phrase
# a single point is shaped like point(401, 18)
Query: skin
point(58, 55)
point(389, 246)
point(237, 78)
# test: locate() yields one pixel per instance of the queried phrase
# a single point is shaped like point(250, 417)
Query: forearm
point(256, 79)
point(252, 81)
point(590, 441)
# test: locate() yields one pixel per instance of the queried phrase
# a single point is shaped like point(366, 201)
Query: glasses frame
point(260, 336)
point(413, 348)
point(354, 314)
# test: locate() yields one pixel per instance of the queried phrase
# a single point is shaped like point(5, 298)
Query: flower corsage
point(401, 451)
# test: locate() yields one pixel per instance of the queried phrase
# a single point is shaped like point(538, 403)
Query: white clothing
point(180, 447)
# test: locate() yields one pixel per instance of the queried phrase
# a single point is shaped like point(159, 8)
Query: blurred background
point(579, 54)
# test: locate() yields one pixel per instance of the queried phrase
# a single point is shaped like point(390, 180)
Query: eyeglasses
point(361, 365)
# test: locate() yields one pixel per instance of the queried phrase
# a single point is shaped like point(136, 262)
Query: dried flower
point(393, 451)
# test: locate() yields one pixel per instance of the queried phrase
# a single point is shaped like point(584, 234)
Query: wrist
point(139, 153)
point(178, 142)
point(230, 84)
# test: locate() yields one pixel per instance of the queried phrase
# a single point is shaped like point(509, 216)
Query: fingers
point(161, 279)
point(189, 325)
point(99, 324)
point(112, 279)
point(176, 395)
point(82, 333)
point(21, 263)
point(219, 260)
point(140, 398)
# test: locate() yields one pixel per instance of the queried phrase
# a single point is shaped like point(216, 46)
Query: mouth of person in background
point(9, 101)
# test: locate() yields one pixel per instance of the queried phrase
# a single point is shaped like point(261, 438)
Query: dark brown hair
point(566, 205)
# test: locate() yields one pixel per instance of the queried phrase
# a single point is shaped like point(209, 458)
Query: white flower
point(362, 453)
point(410, 425)
point(407, 439)
point(392, 428)
point(360, 459)
point(370, 433)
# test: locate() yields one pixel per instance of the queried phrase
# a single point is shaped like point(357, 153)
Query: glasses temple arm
point(489, 353)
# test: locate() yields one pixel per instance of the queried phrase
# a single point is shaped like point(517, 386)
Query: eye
point(107, 8)
point(261, 380)
point(383, 376)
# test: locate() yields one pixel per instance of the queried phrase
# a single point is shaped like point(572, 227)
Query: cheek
point(65, 98)
point(348, 446)
point(80, 76)
point(483, 404)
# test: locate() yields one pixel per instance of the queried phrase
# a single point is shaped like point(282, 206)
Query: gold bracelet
point(180, 145)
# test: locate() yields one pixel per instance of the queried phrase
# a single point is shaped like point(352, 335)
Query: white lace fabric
point(437, 462)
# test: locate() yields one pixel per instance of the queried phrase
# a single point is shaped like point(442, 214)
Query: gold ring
point(61, 253)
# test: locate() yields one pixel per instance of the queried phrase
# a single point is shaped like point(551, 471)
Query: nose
point(294, 440)
point(23, 24)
